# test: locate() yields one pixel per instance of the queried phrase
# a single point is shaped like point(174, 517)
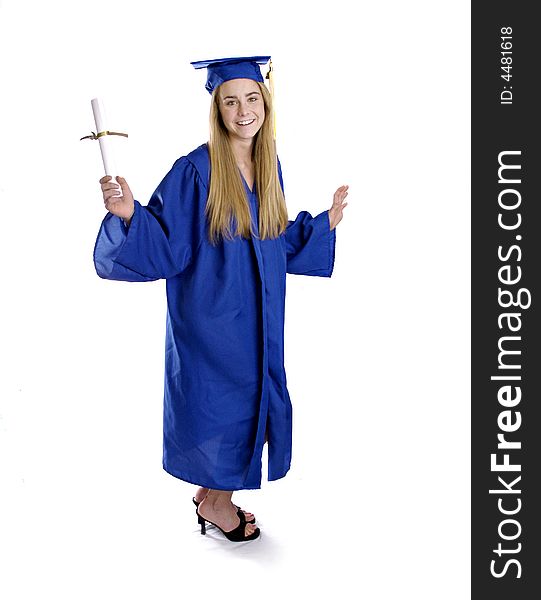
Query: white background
point(376, 504)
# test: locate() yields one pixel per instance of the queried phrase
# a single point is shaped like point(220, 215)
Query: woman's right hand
point(122, 206)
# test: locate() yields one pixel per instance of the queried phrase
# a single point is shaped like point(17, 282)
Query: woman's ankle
point(218, 499)
point(201, 494)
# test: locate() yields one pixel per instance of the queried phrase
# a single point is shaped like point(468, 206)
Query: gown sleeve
point(310, 243)
point(163, 236)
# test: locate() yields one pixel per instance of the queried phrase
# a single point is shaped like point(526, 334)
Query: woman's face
point(241, 107)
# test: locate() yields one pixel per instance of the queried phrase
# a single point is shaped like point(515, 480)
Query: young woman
point(217, 230)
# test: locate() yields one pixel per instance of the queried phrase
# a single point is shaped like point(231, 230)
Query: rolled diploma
point(105, 141)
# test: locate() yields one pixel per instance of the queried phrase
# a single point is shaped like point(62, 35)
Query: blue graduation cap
point(224, 69)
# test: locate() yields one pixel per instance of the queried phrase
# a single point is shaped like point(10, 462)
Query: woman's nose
point(243, 108)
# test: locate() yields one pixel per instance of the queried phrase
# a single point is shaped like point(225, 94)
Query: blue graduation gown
point(225, 383)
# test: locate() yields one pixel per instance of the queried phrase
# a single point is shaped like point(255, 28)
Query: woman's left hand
point(338, 205)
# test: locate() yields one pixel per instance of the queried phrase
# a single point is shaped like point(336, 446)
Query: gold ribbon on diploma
point(96, 136)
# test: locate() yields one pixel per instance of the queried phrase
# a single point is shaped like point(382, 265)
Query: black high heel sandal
point(235, 535)
point(240, 513)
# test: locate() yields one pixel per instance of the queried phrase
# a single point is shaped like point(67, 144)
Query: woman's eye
point(230, 103)
point(253, 99)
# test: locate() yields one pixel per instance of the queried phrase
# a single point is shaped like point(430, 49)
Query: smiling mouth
point(244, 123)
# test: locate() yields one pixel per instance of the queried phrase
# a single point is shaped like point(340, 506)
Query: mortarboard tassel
point(270, 77)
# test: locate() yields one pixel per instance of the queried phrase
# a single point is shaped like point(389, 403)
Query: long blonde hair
point(227, 203)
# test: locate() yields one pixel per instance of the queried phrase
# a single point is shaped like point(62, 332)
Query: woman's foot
point(217, 508)
point(201, 494)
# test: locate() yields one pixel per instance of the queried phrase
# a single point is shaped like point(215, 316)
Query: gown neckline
point(246, 183)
